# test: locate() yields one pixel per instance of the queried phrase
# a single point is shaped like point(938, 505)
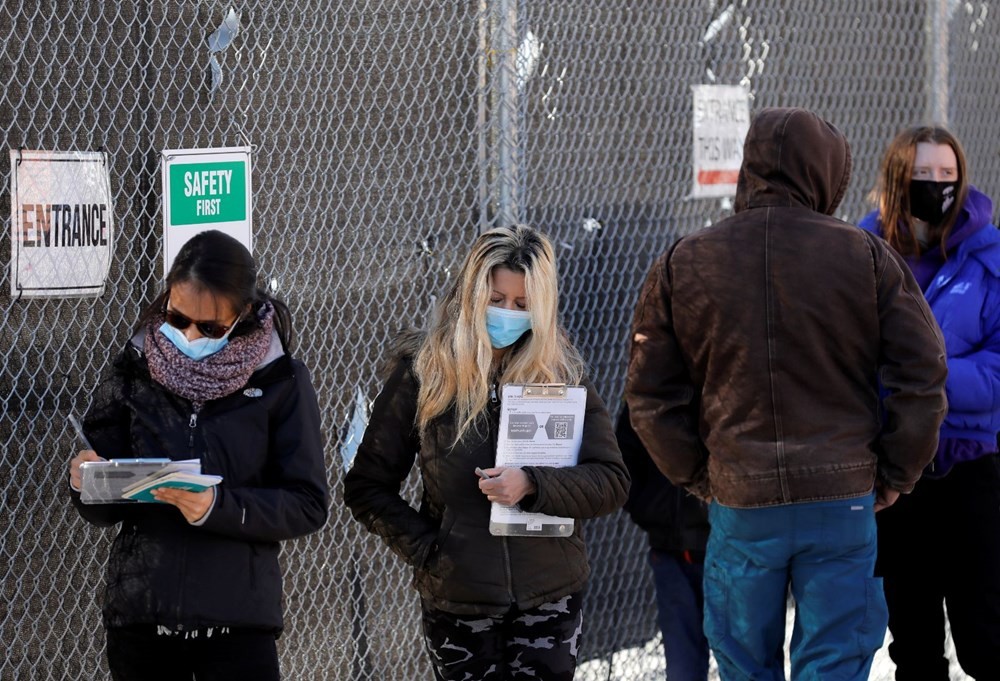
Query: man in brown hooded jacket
point(758, 351)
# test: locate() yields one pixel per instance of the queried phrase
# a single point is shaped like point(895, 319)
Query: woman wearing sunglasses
point(193, 583)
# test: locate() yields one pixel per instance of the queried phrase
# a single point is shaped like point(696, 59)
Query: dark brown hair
point(216, 262)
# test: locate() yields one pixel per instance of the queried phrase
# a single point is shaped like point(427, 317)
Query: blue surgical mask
point(196, 349)
point(506, 326)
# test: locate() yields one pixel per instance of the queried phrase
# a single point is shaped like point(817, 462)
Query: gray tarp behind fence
point(386, 135)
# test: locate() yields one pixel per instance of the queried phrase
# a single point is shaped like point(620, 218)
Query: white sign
point(721, 122)
point(205, 189)
point(61, 223)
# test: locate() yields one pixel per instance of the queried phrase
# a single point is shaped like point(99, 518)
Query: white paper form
point(540, 425)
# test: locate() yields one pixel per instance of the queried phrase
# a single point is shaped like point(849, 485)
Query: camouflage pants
point(539, 644)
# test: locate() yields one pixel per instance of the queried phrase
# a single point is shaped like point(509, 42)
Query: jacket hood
point(977, 211)
point(792, 157)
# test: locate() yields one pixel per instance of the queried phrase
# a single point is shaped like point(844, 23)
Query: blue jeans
point(679, 601)
point(824, 552)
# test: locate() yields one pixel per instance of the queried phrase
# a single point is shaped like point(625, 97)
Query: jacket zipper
point(192, 427)
point(508, 572)
point(180, 587)
point(192, 424)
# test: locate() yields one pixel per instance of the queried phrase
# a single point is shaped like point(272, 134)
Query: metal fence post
point(508, 115)
point(501, 119)
point(936, 30)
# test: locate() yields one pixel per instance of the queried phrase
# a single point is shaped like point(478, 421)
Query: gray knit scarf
point(215, 376)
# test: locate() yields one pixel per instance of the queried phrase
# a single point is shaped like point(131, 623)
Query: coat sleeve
point(974, 378)
point(974, 382)
point(661, 396)
point(382, 464)
point(598, 484)
point(294, 498)
point(106, 425)
point(912, 370)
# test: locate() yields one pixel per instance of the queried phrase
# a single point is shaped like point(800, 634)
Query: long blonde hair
point(455, 365)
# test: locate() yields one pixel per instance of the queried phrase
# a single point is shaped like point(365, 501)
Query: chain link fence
point(386, 135)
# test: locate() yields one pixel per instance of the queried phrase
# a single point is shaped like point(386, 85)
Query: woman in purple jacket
point(942, 542)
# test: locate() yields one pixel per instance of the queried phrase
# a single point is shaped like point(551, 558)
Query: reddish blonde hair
point(892, 193)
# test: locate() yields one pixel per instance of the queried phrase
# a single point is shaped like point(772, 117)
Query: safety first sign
point(721, 122)
point(205, 189)
point(62, 226)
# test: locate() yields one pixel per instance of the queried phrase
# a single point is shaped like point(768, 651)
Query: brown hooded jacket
point(760, 342)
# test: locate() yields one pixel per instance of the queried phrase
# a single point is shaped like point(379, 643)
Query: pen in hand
point(90, 454)
point(483, 474)
point(79, 431)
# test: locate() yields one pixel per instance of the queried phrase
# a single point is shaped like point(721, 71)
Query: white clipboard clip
point(548, 390)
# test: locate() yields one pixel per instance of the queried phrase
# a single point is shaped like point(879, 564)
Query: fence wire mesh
point(386, 135)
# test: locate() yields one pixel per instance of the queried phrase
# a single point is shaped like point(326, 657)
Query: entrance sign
point(205, 189)
point(62, 226)
point(721, 121)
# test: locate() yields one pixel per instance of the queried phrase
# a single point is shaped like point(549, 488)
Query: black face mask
point(932, 201)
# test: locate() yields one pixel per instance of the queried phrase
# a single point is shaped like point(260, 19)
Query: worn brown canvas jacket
point(759, 343)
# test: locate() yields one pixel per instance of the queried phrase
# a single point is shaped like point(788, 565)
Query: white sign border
point(17, 158)
point(241, 231)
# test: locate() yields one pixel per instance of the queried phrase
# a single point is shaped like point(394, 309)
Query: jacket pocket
point(871, 633)
point(434, 552)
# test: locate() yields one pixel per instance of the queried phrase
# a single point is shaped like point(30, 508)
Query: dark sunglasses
point(207, 329)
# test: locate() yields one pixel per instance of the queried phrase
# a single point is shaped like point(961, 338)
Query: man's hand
point(884, 497)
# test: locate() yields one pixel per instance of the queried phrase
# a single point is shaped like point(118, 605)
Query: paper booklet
point(191, 482)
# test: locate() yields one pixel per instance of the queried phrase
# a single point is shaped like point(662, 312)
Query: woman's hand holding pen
point(505, 486)
point(192, 505)
point(88, 454)
point(75, 478)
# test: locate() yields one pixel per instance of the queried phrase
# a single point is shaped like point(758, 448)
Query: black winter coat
point(459, 566)
point(264, 440)
point(675, 520)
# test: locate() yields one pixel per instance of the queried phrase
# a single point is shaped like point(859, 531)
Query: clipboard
point(102, 482)
point(541, 424)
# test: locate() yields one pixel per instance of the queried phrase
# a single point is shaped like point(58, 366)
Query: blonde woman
point(492, 607)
